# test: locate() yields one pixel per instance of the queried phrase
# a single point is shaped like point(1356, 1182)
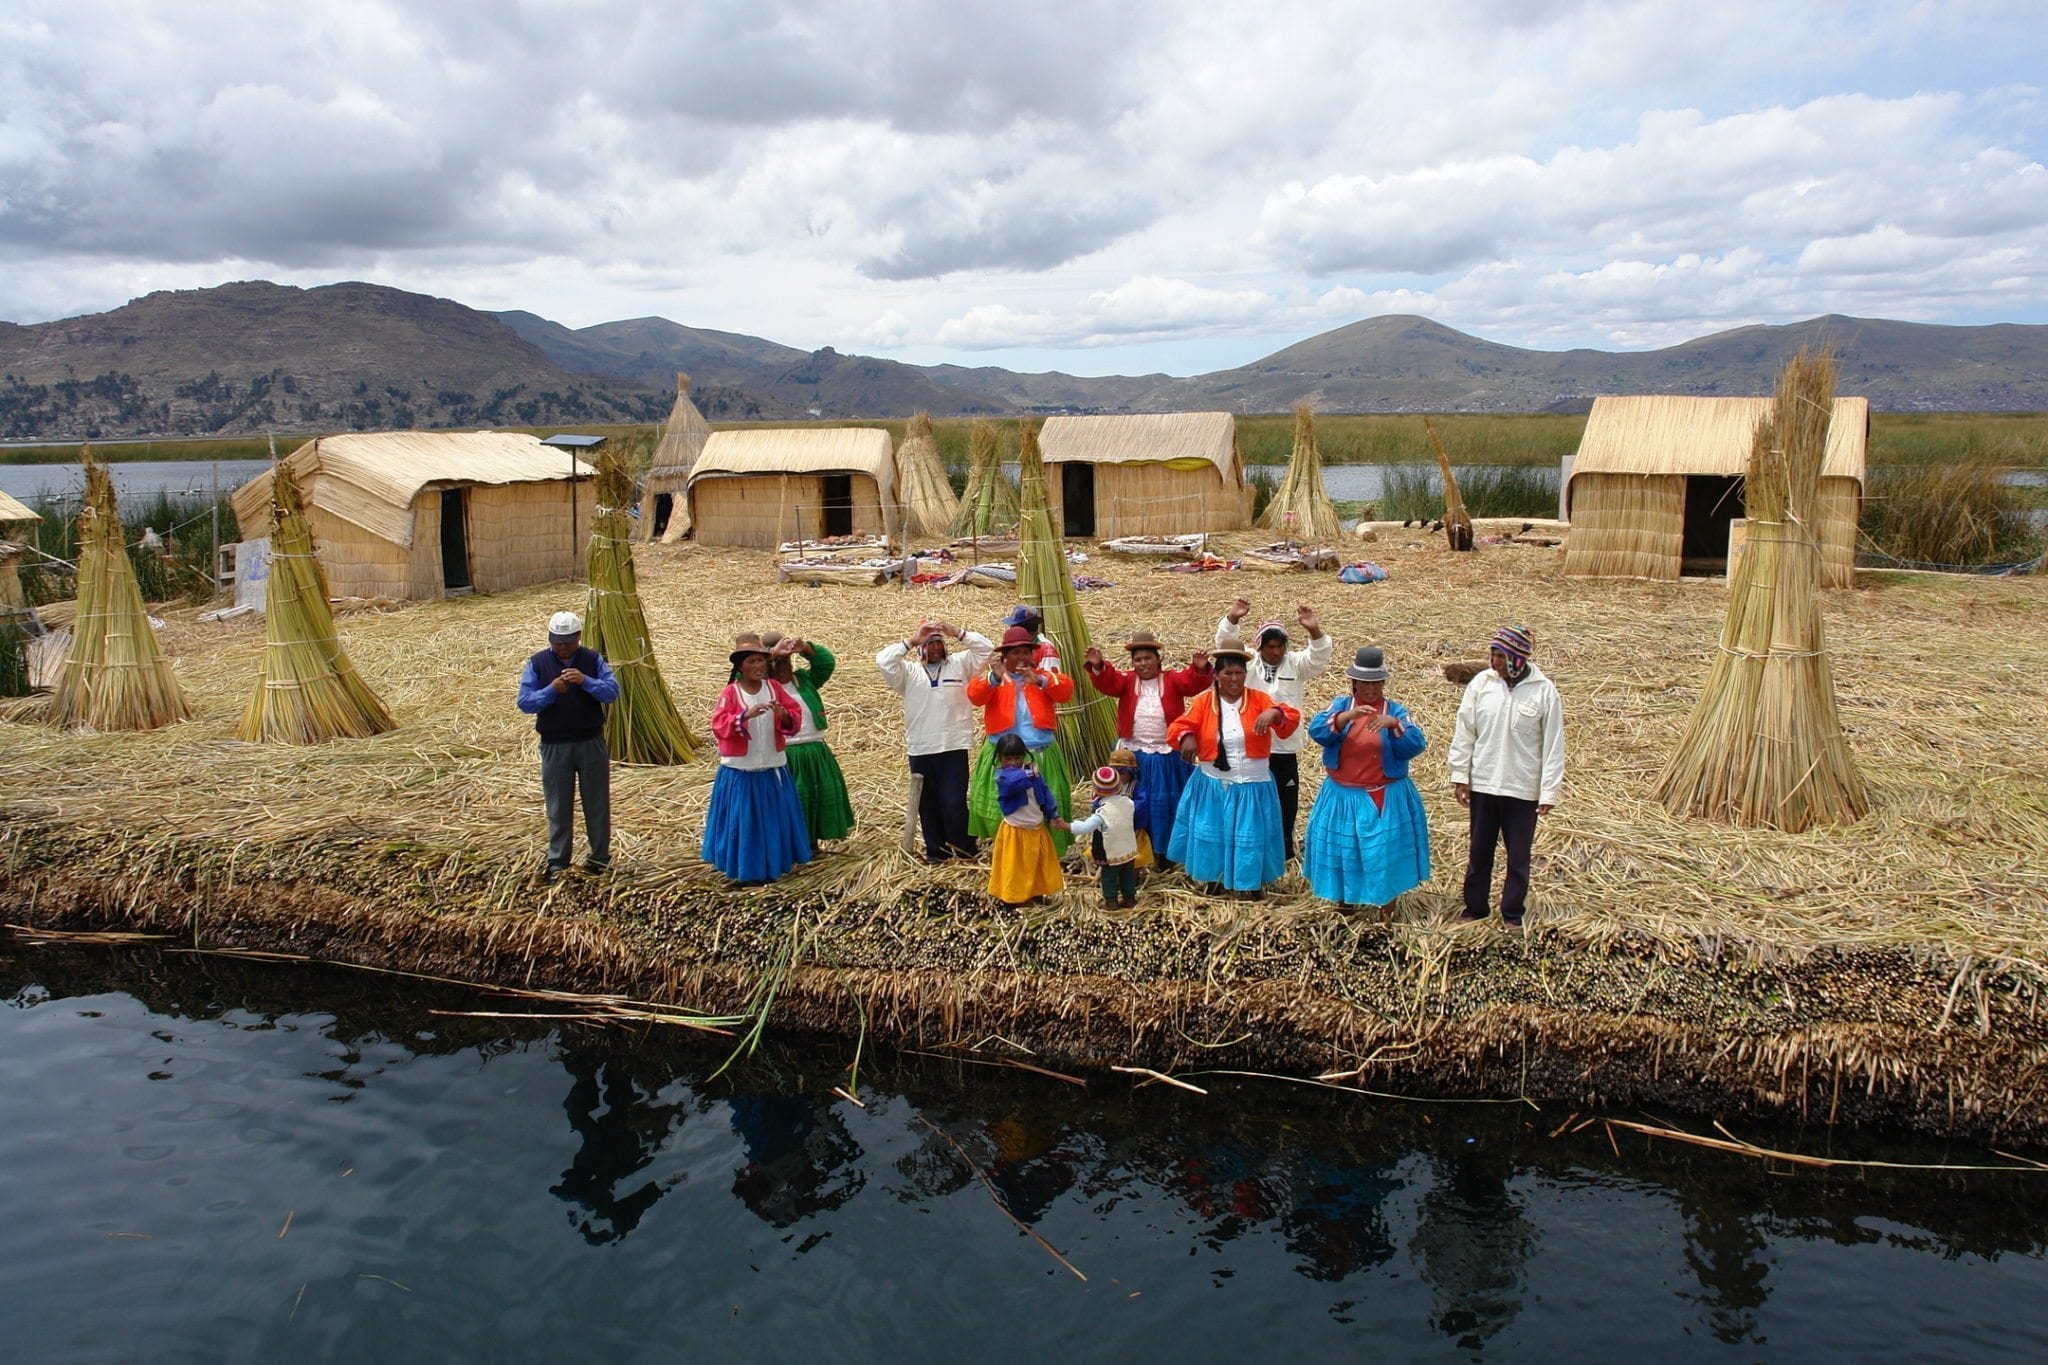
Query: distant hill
point(250, 357)
point(255, 356)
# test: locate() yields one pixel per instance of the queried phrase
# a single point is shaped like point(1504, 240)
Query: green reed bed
point(1416, 493)
point(181, 571)
point(1968, 512)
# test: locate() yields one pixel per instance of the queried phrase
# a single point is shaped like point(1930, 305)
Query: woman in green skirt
point(820, 786)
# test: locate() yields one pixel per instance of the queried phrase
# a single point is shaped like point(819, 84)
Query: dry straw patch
point(1941, 686)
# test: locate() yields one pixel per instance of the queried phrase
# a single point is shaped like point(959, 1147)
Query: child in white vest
point(1114, 846)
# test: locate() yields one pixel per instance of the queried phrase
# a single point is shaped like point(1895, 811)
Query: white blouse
point(1230, 739)
point(762, 751)
point(1148, 718)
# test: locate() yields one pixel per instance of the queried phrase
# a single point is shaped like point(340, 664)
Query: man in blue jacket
point(565, 688)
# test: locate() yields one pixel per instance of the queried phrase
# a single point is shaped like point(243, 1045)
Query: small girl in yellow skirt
point(1024, 866)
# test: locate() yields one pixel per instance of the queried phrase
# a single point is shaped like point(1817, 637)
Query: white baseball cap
point(564, 625)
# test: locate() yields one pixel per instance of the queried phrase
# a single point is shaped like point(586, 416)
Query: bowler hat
point(1368, 665)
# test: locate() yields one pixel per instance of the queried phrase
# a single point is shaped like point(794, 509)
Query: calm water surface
point(206, 1161)
point(132, 478)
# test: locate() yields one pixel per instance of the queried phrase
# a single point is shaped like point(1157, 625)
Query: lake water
point(132, 478)
point(212, 1161)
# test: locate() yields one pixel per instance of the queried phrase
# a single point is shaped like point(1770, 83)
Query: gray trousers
point(563, 764)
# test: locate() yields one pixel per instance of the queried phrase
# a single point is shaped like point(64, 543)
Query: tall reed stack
point(1457, 521)
point(929, 503)
point(1087, 724)
point(643, 725)
point(1301, 507)
point(116, 676)
point(990, 503)
point(1764, 746)
point(307, 691)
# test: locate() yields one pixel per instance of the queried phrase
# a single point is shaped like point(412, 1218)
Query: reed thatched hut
point(15, 520)
point(664, 506)
point(420, 514)
point(762, 487)
point(1146, 474)
point(1658, 480)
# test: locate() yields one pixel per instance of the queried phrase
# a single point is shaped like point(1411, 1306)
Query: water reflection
point(1435, 1223)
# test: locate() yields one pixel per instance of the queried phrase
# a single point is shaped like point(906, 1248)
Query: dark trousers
point(1507, 819)
point(1286, 770)
point(942, 808)
point(564, 765)
point(1119, 880)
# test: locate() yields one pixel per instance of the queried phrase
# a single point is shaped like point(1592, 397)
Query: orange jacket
point(998, 711)
point(1201, 721)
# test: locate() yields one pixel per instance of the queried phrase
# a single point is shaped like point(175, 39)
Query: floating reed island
point(1890, 970)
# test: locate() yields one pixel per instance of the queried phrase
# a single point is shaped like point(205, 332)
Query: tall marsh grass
point(1965, 513)
point(1416, 493)
point(183, 570)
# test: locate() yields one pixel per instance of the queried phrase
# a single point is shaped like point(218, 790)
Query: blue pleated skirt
point(1229, 832)
point(754, 831)
point(1359, 854)
point(1162, 778)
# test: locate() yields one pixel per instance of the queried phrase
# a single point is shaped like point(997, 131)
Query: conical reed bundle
point(116, 676)
point(929, 504)
point(1087, 723)
point(1764, 744)
point(643, 725)
point(1301, 507)
point(990, 502)
point(307, 691)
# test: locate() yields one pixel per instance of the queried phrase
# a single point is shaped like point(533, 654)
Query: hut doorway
point(454, 540)
point(1077, 498)
point(838, 494)
point(664, 508)
point(1711, 502)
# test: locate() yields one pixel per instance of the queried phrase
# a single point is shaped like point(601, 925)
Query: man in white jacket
point(938, 726)
point(1507, 768)
point(1282, 674)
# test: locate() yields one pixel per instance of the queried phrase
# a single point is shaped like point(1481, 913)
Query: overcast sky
point(1092, 187)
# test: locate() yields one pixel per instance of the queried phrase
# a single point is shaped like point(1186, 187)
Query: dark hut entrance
point(664, 508)
point(838, 519)
point(454, 540)
point(1077, 499)
point(1711, 502)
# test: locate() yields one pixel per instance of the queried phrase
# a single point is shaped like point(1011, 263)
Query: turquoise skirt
point(1229, 832)
point(1356, 853)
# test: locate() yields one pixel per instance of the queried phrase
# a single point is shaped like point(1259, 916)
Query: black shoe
point(596, 868)
point(549, 873)
point(1473, 916)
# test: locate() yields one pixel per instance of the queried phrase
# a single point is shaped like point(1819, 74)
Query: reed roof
point(682, 439)
point(1666, 434)
point(800, 450)
point(370, 479)
point(1144, 437)
point(12, 510)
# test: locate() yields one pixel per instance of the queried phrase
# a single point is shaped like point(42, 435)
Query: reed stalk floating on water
point(1087, 724)
point(1764, 746)
point(643, 725)
point(1301, 507)
point(307, 691)
point(116, 676)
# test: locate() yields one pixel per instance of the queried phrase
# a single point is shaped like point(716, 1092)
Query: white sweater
point(937, 717)
point(1115, 821)
point(1510, 741)
point(1288, 682)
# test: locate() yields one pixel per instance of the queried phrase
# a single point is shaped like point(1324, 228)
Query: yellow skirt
point(1145, 859)
point(1023, 864)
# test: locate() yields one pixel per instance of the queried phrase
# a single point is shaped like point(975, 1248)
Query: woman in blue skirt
point(1226, 833)
point(1368, 839)
point(754, 831)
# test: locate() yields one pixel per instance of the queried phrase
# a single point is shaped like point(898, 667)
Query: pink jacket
point(728, 718)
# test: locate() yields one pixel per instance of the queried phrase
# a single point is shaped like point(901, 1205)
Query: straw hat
point(1017, 637)
point(1369, 665)
point(743, 645)
point(564, 626)
point(1230, 649)
point(1143, 639)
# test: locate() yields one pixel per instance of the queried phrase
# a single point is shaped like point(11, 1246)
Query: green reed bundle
point(929, 503)
point(990, 503)
point(116, 676)
point(1087, 723)
point(1764, 746)
point(643, 725)
point(1301, 508)
point(307, 691)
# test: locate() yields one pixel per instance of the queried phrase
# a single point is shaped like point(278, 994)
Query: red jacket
point(728, 718)
point(998, 713)
point(1174, 689)
point(1201, 721)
